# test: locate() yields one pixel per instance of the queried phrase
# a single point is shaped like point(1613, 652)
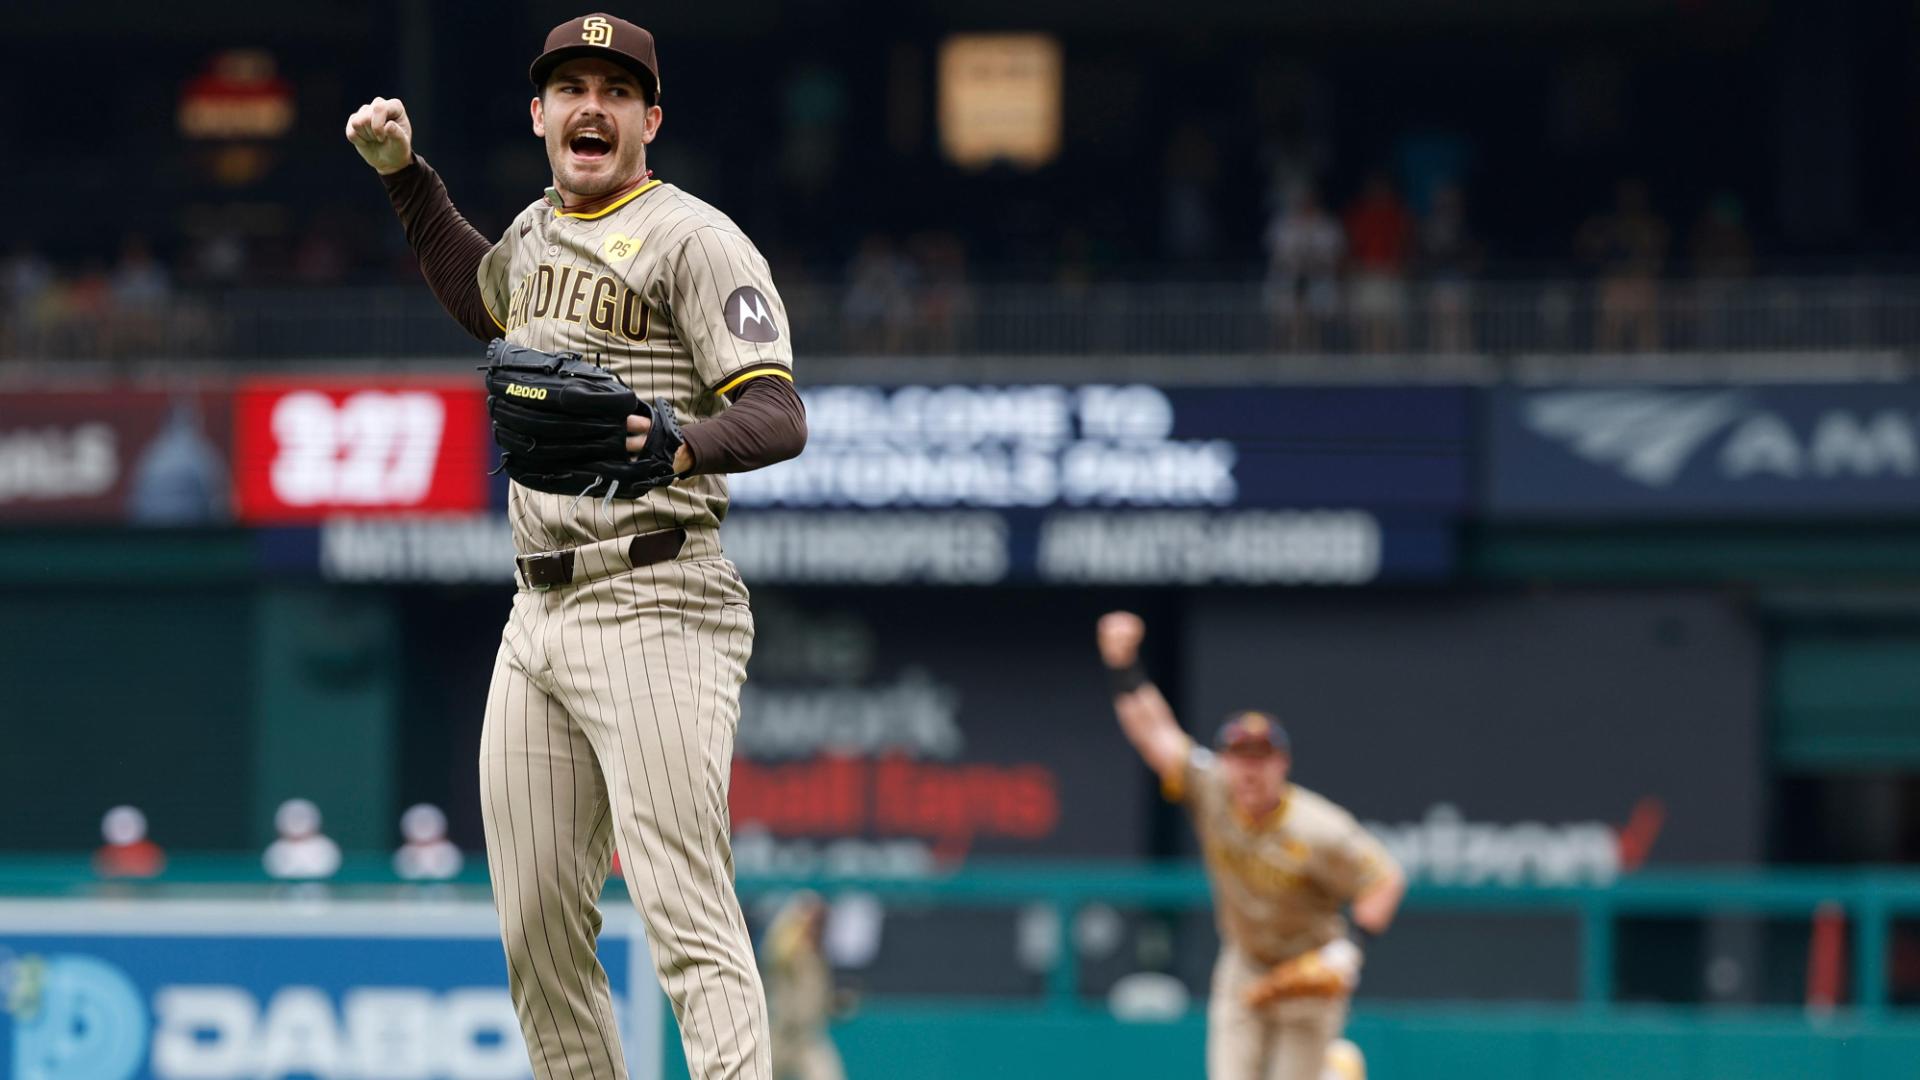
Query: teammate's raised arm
point(1373, 910)
point(1144, 714)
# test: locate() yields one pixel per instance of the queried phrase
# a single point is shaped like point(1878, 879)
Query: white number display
point(375, 448)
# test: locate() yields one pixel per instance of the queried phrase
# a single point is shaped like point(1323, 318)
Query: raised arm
point(448, 249)
point(1144, 714)
point(1364, 870)
point(1373, 910)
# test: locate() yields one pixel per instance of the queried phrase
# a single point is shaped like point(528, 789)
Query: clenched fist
point(1119, 635)
point(382, 133)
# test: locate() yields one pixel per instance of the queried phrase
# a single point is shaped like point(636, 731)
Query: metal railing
point(1232, 319)
point(1868, 900)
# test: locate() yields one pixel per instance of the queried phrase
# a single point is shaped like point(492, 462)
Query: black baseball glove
point(561, 423)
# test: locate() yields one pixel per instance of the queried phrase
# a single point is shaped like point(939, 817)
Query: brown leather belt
point(545, 569)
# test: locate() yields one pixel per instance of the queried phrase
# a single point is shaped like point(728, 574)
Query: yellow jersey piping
point(754, 374)
point(615, 204)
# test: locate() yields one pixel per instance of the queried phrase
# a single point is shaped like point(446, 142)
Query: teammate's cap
point(1254, 732)
point(604, 36)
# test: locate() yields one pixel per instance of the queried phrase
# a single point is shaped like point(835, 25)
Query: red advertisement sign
point(305, 450)
point(150, 457)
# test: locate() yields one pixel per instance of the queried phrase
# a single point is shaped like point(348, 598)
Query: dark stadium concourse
point(1180, 129)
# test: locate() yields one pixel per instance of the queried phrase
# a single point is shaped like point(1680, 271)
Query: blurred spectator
point(1628, 247)
point(1193, 165)
point(814, 105)
point(86, 295)
point(139, 289)
point(1073, 262)
point(427, 854)
point(127, 852)
point(1427, 160)
point(220, 257)
point(139, 282)
point(946, 299)
point(27, 299)
point(28, 279)
point(303, 852)
point(1379, 242)
point(878, 308)
point(1449, 257)
point(1722, 252)
point(1721, 246)
point(321, 256)
point(1304, 250)
point(179, 478)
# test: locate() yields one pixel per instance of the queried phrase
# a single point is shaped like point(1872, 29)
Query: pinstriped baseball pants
point(1287, 1040)
point(610, 722)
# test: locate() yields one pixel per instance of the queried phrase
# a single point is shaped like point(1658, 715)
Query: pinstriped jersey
point(668, 294)
point(1279, 884)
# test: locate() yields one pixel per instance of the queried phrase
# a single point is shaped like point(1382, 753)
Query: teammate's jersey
point(1279, 883)
point(666, 292)
point(799, 992)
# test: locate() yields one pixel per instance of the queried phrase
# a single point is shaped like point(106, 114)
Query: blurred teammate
point(616, 688)
point(1283, 862)
point(303, 852)
point(800, 994)
point(427, 854)
point(127, 851)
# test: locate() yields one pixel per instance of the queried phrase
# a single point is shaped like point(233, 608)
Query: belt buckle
point(561, 559)
point(521, 563)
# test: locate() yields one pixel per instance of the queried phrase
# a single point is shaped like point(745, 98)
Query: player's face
point(1255, 780)
point(597, 124)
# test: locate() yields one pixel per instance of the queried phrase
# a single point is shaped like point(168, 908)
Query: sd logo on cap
point(608, 38)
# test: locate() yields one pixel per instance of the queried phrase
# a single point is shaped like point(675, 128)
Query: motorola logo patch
point(749, 317)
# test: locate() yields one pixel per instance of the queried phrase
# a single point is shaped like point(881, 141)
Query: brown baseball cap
point(1252, 732)
point(604, 36)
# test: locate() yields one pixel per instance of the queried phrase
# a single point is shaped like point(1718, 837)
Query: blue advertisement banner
point(266, 990)
point(1124, 447)
point(1089, 547)
point(1787, 451)
point(1081, 485)
point(1342, 547)
point(1048, 484)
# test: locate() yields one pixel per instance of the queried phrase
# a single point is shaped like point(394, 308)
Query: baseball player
point(615, 695)
point(1283, 863)
point(800, 992)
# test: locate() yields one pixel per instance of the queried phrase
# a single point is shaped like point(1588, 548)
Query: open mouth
point(590, 146)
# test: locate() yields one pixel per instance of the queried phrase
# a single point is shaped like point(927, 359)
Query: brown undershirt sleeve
point(766, 423)
point(449, 249)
